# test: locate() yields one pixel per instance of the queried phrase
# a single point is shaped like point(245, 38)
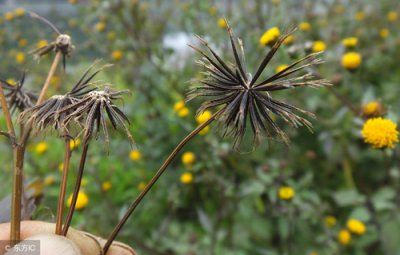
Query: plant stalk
point(153, 180)
point(77, 188)
point(61, 199)
point(46, 85)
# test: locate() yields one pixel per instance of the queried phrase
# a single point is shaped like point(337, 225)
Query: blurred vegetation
point(328, 192)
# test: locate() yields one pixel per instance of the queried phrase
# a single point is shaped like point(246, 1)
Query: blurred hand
point(76, 243)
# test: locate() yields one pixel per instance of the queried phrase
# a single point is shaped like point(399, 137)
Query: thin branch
point(7, 114)
point(53, 68)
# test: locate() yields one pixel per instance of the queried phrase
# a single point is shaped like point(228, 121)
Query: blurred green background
point(328, 192)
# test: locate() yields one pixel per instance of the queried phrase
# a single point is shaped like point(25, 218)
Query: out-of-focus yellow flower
point(49, 180)
point(344, 237)
point(81, 202)
point(22, 43)
point(41, 147)
point(305, 26)
point(20, 57)
point(42, 43)
point(222, 23)
point(186, 178)
point(351, 60)
point(100, 26)
point(61, 167)
point(280, 68)
point(19, 12)
point(372, 109)
point(8, 16)
point(73, 144)
point(11, 81)
point(111, 36)
point(204, 130)
point(392, 16)
point(384, 32)
point(289, 40)
point(350, 42)
point(141, 186)
point(72, 1)
point(356, 226)
point(106, 186)
point(203, 117)
point(275, 2)
point(135, 155)
point(117, 55)
point(179, 106)
point(330, 221)
point(184, 112)
point(380, 133)
point(188, 158)
point(286, 193)
point(270, 36)
point(359, 16)
point(318, 46)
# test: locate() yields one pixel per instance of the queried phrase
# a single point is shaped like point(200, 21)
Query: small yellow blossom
point(49, 180)
point(106, 186)
point(179, 106)
point(22, 43)
point(392, 16)
point(330, 221)
point(41, 147)
point(73, 144)
point(20, 57)
point(280, 68)
point(184, 112)
point(270, 36)
point(356, 226)
point(222, 23)
point(318, 46)
point(42, 43)
point(286, 193)
point(188, 158)
point(61, 167)
point(359, 16)
point(305, 26)
point(344, 237)
point(380, 133)
point(203, 117)
point(141, 186)
point(204, 130)
point(81, 202)
point(8, 16)
point(351, 60)
point(72, 1)
point(350, 42)
point(289, 40)
point(117, 55)
point(11, 81)
point(19, 12)
point(135, 155)
point(186, 178)
point(372, 109)
point(100, 26)
point(384, 32)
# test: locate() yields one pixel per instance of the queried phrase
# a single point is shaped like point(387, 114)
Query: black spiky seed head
point(246, 99)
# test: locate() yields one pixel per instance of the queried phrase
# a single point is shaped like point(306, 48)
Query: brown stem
point(153, 180)
point(77, 188)
point(53, 68)
point(61, 199)
point(7, 114)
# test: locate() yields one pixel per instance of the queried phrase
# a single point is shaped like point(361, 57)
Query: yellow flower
point(22, 43)
point(344, 237)
point(350, 42)
point(203, 117)
point(179, 106)
point(72, 1)
point(380, 133)
point(318, 46)
point(305, 26)
point(42, 43)
point(117, 55)
point(222, 23)
point(106, 186)
point(20, 57)
point(41, 147)
point(204, 130)
point(351, 60)
point(100, 26)
point(359, 16)
point(330, 221)
point(269, 37)
point(286, 193)
point(280, 68)
point(11, 81)
point(356, 227)
point(184, 112)
point(372, 109)
point(61, 167)
point(73, 144)
point(49, 180)
point(289, 40)
point(81, 202)
point(188, 158)
point(141, 186)
point(384, 32)
point(135, 155)
point(19, 12)
point(8, 16)
point(392, 16)
point(186, 178)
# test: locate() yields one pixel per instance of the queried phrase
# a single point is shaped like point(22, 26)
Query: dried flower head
point(243, 97)
point(17, 97)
